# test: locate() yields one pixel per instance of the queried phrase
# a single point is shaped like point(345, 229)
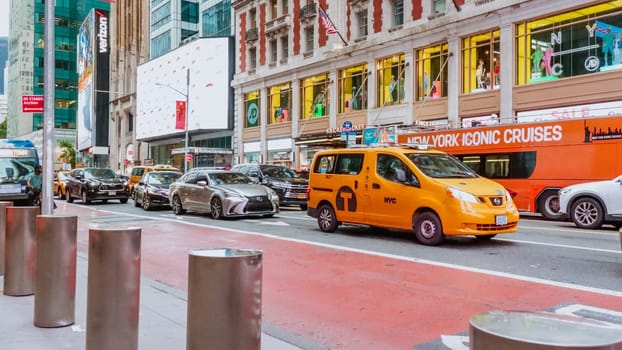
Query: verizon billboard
point(93, 83)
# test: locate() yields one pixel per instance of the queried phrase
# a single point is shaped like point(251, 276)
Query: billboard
point(93, 84)
point(163, 81)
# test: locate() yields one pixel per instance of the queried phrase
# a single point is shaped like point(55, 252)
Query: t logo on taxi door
point(345, 194)
point(390, 200)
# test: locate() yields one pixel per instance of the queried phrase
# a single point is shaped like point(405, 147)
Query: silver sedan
point(222, 194)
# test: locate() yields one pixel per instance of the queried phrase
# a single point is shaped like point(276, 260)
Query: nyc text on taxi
point(411, 188)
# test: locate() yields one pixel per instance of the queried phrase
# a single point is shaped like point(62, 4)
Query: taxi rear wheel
point(326, 219)
point(428, 229)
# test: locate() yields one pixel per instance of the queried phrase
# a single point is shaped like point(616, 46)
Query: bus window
point(516, 165)
point(474, 162)
point(497, 166)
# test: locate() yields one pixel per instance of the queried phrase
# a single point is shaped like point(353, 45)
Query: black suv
point(291, 187)
point(96, 184)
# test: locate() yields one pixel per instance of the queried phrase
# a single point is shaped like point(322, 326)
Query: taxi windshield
point(441, 165)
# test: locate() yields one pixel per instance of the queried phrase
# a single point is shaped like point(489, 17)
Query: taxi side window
point(393, 169)
point(325, 164)
point(350, 164)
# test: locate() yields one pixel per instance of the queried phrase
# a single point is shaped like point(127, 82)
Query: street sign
point(32, 104)
point(347, 126)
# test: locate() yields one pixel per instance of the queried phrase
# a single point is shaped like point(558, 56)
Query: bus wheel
point(587, 213)
point(428, 229)
point(548, 205)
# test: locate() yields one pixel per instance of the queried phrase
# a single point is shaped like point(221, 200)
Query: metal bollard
point(224, 299)
point(55, 272)
point(620, 232)
point(518, 330)
point(3, 206)
point(19, 274)
point(113, 288)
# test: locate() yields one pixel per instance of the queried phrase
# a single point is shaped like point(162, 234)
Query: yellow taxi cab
point(138, 171)
point(410, 188)
point(60, 178)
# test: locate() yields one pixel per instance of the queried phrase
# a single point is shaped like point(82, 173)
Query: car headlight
point(231, 194)
point(461, 195)
point(280, 184)
point(273, 195)
point(93, 184)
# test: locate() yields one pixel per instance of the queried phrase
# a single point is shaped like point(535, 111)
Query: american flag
point(327, 23)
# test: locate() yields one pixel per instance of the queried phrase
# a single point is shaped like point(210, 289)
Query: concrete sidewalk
point(162, 320)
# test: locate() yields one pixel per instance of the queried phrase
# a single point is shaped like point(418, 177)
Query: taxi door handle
point(356, 184)
point(375, 186)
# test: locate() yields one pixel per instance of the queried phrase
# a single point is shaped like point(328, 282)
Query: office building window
point(252, 58)
point(161, 16)
point(284, 48)
point(480, 62)
point(361, 19)
point(273, 51)
point(189, 12)
point(251, 106)
point(573, 43)
point(161, 44)
point(353, 88)
point(431, 72)
point(315, 96)
point(398, 12)
point(391, 77)
point(279, 103)
point(217, 19)
point(309, 39)
point(438, 6)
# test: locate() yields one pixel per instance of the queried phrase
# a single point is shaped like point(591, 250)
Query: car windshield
point(229, 178)
point(278, 172)
point(441, 165)
point(163, 178)
point(99, 174)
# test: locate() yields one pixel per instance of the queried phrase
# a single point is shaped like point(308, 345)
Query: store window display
point(391, 80)
point(481, 57)
point(353, 88)
point(431, 71)
point(569, 44)
point(279, 103)
point(251, 106)
point(315, 98)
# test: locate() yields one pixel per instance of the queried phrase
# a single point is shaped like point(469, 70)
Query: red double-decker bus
point(534, 160)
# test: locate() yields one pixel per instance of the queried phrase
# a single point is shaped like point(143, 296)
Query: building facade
point(129, 48)
point(175, 23)
point(307, 71)
point(26, 65)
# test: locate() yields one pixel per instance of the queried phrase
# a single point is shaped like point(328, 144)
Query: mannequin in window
point(393, 89)
point(480, 74)
point(317, 109)
point(617, 48)
point(608, 45)
point(354, 103)
point(547, 59)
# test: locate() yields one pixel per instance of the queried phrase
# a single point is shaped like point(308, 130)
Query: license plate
point(501, 219)
point(112, 193)
point(302, 196)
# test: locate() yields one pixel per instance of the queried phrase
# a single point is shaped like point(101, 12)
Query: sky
point(4, 17)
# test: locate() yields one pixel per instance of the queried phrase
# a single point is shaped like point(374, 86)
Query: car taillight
point(308, 193)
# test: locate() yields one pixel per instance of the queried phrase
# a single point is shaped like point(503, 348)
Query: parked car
point(222, 194)
point(95, 184)
point(592, 204)
point(290, 186)
point(140, 170)
point(59, 184)
point(152, 189)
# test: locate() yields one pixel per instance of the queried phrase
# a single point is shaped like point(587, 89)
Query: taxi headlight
point(461, 195)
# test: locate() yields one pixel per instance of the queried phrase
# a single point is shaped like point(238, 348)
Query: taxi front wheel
point(428, 229)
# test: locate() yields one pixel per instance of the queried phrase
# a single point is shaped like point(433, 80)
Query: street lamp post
point(187, 116)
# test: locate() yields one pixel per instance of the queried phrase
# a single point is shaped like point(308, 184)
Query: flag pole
point(323, 13)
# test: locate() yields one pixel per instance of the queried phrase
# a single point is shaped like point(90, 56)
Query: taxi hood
point(479, 186)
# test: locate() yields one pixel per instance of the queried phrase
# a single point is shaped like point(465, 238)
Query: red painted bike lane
point(346, 299)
